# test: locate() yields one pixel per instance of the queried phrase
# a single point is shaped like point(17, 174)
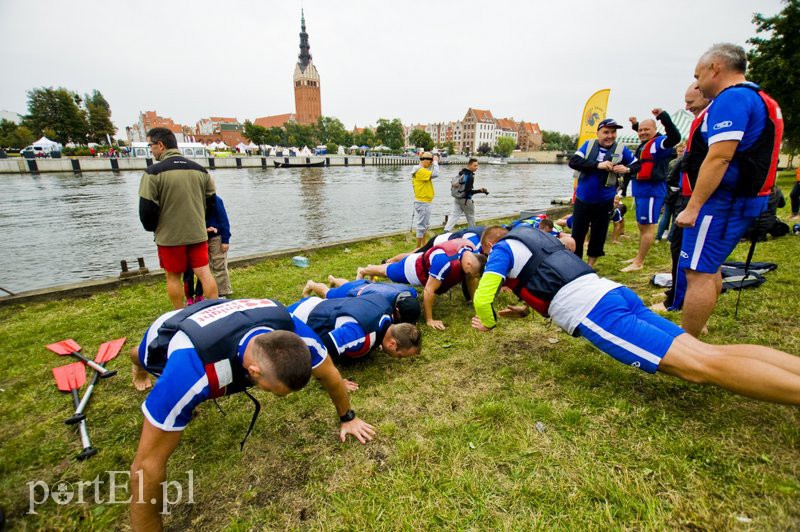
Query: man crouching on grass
point(556, 283)
point(215, 348)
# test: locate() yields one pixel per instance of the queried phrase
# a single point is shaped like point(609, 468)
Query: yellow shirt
point(423, 186)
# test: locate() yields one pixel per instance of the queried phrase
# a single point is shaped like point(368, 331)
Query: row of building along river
point(63, 228)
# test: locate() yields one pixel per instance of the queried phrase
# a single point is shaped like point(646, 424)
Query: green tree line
point(327, 131)
point(61, 115)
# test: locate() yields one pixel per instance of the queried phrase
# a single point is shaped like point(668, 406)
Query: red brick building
point(530, 136)
point(307, 101)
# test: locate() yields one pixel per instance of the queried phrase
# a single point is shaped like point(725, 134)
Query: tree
point(365, 138)
point(555, 141)
point(484, 148)
point(330, 129)
point(450, 146)
point(255, 134)
point(773, 64)
point(505, 145)
point(390, 133)
point(59, 110)
point(14, 136)
point(99, 117)
point(300, 134)
point(421, 139)
point(276, 136)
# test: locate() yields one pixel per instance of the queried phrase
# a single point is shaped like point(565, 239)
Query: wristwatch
point(348, 416)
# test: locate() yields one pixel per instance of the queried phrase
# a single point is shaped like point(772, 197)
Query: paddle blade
point(64, 347)
point(109, 350)
point(70, 377)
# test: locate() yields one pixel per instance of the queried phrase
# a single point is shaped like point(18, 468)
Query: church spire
point(305, 55)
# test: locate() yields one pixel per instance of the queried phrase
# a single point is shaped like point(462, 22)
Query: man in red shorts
point(174, 195)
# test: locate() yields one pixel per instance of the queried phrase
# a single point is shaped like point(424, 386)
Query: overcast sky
point(420, 61)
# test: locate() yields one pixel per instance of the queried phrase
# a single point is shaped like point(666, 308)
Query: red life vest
point(693, 157)
point(651, 169)
point(454, 276)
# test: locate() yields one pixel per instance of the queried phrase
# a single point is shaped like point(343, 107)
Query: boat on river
point(315, 164)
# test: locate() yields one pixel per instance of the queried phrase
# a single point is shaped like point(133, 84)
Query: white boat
point(496, 162)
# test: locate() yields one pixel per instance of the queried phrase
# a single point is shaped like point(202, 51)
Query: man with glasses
point(421, 178)
point(175, 196)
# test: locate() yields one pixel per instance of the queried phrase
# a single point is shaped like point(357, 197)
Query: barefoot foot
point(141, 379)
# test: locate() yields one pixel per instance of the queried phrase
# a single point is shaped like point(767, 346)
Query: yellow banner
point(593, 113)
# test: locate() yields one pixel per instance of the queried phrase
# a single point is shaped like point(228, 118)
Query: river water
point(61, 228)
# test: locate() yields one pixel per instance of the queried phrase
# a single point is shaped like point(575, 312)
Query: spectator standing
point(175, 196)
point(598, 164)
point(421, 178)
point(462, 191)
point(742, 129)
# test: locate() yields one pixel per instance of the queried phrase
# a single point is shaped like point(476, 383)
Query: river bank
point(98, 164)
point(523, 427)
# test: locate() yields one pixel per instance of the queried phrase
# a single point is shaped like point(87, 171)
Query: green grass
point(458, 444)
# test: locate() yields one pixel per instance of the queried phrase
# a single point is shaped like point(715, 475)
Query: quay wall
point(17, 165)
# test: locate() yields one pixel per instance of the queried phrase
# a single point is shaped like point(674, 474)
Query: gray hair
point(732, 55)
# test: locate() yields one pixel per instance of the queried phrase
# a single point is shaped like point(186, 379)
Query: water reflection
point(62, 227)
point(315, 214)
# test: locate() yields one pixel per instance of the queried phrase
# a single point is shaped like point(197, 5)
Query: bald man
point(649, 185)
point(696, 104)
point(742, 131)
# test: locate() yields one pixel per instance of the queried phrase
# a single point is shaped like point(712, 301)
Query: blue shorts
point(346, 289)
point(621, 326)
point(405, 271)
point(707, 245)
point(181, 386)
point(648, 209)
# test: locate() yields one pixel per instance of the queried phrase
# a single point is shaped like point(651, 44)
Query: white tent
point(252, 146)
point(222, 145)
point(241, 147)
point(212, 145)
point(340, 151)
point(47, 144)
point(305, 152)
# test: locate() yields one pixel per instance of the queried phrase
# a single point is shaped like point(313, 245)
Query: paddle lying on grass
point(71, 347)
point(68, 379)
point(106, 352)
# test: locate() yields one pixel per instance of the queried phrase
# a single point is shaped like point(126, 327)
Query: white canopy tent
point(47, 144)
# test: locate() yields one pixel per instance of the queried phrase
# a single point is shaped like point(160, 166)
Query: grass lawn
point(523, 427)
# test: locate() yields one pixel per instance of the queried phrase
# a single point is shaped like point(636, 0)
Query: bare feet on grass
point(141, 379)
point(308, 288)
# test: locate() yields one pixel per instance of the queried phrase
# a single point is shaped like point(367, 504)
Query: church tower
point(307, 104)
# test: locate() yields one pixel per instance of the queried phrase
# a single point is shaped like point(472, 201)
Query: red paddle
point(71, 347)
point(68, 379)
point(106, 352)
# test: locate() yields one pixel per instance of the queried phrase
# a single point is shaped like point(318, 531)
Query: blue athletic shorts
point(648, 209)
point(621, 326)
point(345, 289)
point(181, 386)
point(707, 245)
point(405, 271)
